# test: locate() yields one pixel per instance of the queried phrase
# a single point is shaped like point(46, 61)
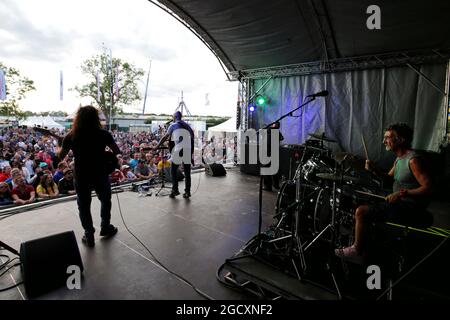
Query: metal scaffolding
point(343, 64)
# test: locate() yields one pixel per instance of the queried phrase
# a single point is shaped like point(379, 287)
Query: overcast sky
point(42, 37)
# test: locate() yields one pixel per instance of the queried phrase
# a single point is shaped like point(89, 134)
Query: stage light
point(260, 100)
point(251, 108)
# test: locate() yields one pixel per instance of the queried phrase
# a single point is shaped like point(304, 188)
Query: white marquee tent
point(227, 126)
point(45, 122)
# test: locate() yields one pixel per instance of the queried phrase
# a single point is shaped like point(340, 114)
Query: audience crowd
point(30, 168)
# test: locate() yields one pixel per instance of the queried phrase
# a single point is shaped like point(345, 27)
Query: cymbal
point(342, 156)
point(336, 177)
point(321, 137)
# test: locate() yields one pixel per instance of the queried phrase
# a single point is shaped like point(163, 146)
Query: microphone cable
point(179, 277)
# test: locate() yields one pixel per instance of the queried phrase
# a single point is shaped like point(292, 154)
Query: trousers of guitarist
point(175, 146)
point(88, 142)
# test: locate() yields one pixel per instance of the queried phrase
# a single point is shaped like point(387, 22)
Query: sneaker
point(108, 231)
point(88, 240)
point(186, 195)
point(173, 194)
point(349, 253)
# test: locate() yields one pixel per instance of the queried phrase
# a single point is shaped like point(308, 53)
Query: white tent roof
point(227, 126)
point(45, 122)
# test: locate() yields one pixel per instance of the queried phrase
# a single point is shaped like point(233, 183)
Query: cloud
point(19, 37)
point(40, 38)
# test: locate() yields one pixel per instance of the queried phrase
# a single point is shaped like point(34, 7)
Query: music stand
point(163, 178)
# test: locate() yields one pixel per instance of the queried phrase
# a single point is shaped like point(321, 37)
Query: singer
point(175, 141)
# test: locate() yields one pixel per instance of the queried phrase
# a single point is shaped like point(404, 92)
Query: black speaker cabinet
point(45, 262)
point(215, 170)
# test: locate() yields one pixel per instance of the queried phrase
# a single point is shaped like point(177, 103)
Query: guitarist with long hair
point(88, 142)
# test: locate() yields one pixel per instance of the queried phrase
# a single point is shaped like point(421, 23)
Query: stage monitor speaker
point(45, 262)
point(215, 170)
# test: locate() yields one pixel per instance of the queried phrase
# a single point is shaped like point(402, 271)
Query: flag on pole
point(2, 85)
point(98, 86)
point(61, 86)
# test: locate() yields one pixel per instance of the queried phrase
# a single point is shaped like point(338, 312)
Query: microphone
point(169, 122)
point(323, 93)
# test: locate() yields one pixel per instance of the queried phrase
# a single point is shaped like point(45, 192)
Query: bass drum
point(317, 215)
point(286, 204)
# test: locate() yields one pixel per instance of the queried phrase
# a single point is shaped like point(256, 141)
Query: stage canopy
point(258, 34)
point(286, 50)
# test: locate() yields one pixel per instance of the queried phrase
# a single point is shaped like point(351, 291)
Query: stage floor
point(190, 237)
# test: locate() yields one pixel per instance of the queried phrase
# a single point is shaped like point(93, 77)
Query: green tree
point(16, 88)
point(128, 78)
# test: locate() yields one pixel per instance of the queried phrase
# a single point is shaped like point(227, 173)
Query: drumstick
point(365, 147)
point(371, 194)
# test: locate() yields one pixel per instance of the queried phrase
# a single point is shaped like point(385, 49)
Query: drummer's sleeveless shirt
point(404, 179)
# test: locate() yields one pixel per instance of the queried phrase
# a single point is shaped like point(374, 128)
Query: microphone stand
point(258, 235)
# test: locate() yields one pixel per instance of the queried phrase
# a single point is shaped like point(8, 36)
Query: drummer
point(412, 190)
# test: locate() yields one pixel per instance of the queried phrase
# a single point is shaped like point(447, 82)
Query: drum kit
point(317, 204)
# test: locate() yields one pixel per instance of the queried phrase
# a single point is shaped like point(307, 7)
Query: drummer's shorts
point(400, 212)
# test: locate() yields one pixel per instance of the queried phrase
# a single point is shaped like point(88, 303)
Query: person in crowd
point(47, 188)
point(142, 171)
point(5, 175)
point(133, 162)
point(5, 194)
point(65, 184)
point(88, 140)
point(59, 171)
point(116, 176)
point(152, 166)
point(23, 193)
point(129, 175)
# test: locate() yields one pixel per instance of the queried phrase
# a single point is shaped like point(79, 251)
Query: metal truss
point(243, 103)
point(344, 64)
